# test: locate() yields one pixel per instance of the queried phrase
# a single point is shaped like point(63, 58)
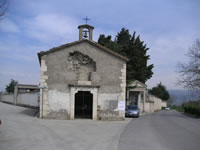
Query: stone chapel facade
point(82, 79)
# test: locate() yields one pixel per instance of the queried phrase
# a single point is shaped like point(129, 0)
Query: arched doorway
point(83, 105)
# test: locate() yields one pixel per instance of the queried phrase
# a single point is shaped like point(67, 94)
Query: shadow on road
point(29, 112)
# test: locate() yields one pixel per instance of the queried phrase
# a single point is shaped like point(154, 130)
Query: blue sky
point(168, 27)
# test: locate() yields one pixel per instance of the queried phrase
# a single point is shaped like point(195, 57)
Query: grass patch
point(177, 108)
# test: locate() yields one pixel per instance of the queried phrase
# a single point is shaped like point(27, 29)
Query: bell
point(85, 34)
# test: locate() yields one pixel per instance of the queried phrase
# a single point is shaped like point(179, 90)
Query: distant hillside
point(180, 96)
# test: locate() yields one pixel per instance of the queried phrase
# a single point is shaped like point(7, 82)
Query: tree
point(11, 86)
point(133, 48)
point(3, 7)
point(160, 91)
point(190, 71)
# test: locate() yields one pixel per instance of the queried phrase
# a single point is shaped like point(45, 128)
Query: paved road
point(166, 130)
point(21, 131)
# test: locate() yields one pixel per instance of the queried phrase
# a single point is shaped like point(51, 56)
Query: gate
point(83, 105)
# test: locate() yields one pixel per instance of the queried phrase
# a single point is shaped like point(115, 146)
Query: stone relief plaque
point(82, 64)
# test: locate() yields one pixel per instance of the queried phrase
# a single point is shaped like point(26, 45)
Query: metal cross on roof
point(86, 19)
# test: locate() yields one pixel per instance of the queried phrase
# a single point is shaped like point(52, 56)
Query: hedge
point(192, 107)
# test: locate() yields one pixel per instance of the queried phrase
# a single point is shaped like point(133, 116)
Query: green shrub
point(177, 108)
point(192, 107)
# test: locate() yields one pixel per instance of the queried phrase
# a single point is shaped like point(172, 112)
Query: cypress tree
point(133, 48)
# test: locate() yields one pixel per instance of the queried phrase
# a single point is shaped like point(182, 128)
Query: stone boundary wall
point(158, 103)
point(164, 104)
point(28, 99)
point(22, 99)
point(149, 107)
point(7, 98)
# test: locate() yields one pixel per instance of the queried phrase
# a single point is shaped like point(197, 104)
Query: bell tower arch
point(85, 32)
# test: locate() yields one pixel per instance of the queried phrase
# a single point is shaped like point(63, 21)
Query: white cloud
point(17, 56)
point(7, 25)
point(166, 52)
point(19, 52)
point(167, 76)
point(52, 27)
point(48, 26)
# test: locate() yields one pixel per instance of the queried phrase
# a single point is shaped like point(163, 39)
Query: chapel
point(82, 80)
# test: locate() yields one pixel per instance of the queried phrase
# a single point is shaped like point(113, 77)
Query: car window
point(132, 107)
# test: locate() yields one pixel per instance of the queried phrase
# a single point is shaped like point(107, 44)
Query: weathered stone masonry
point(82, 66)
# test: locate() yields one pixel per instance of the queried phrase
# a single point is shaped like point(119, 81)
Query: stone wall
point(157, 102)
point(153, 104)
point(8, 98)
point(61, 73)
point(23, 99)
point(28, 99)
point(149, 107)
point(164, 104)
point(108, 106)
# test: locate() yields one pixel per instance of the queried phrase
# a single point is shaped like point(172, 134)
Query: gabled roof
point(27, 86)
point(85, 26)
point(42, 53)
point(137, 83)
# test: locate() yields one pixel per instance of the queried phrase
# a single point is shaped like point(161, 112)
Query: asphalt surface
point(21, 131)
point(166, 130)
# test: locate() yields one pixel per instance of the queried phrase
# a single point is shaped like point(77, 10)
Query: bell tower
point(86, 30)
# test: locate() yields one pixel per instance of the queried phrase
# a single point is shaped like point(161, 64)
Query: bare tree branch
point(190, 72)
point(3, 7)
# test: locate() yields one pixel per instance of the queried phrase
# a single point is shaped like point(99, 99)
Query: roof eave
point(40, 54)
